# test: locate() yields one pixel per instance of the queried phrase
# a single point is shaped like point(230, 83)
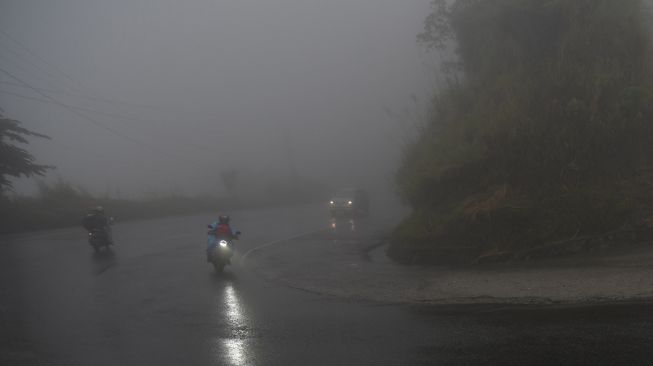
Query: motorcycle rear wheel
point(219, 267)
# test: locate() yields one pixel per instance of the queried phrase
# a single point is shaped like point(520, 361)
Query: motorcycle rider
point(220, 230)
point(95, 219)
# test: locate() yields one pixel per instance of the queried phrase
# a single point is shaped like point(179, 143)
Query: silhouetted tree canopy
point(15, 161)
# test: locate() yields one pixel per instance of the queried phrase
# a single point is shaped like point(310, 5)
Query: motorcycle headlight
point(223, 243)
point(350, 203)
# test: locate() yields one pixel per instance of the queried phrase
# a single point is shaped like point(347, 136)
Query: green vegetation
point(63, 205)
point(543, 132)
point(15, 161)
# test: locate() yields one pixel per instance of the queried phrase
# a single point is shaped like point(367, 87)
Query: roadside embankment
point(348, 268)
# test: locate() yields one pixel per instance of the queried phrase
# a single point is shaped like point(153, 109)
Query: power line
point(66, 76)
point(92, 152)
point(77, 110)
point(82, 109)
point(26, 49)
point(17, 65)
point(25, 60)
point(195, 146)
point(65, 106)
point(89, 119)
point(84, 96)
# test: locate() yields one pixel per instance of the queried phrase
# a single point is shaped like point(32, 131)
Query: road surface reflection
point(343, 225)
point(233, 349)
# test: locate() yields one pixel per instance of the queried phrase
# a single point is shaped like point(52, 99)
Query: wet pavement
point(154, 301)
point(349, 261)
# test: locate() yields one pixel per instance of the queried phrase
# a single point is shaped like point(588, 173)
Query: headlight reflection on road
point(343, 225)
point(234, 313)
point(234, 349)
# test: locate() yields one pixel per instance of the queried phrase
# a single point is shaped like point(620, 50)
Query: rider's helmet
point(223, 219)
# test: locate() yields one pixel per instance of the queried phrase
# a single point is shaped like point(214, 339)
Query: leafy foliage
point(543, 131)
point(15, 161)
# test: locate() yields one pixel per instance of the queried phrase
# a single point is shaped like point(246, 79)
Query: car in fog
point(349, 202)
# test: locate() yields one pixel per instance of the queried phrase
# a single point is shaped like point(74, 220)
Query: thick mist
point(160, 96)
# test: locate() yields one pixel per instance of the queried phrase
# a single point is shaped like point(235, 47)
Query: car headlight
point(223, 243)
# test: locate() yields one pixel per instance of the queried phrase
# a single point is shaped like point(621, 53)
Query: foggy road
point(154, 300)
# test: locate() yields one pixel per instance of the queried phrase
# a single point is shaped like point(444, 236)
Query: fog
point(160, 96)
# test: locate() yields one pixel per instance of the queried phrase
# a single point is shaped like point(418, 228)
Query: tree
point(543, 132)
point(15, 161)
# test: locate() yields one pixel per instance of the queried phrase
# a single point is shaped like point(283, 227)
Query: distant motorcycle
point(98, 238)
point(222, 253)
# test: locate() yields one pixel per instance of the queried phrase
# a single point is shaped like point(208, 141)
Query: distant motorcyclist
point(96, 219)
point(220, 230)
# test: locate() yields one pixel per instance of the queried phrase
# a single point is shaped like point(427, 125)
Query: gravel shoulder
point(349, 268)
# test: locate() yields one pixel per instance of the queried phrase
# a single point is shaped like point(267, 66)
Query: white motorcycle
point(222, 253)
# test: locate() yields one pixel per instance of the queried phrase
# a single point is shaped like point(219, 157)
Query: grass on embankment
point(542, 134)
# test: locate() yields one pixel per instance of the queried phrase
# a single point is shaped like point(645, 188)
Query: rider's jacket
point(219, 231)
point(224, 231)
point(94, 221)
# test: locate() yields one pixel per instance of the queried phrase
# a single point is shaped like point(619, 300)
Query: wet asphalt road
point(154, 301)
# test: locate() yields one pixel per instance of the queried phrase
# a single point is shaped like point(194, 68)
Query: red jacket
point(224, 231)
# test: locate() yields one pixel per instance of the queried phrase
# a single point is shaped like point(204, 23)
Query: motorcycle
point(100, 237)
point(223, 252)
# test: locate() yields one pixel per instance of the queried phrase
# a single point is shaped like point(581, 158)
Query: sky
point(159, 96)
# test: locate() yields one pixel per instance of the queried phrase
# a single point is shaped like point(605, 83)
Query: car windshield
point(349, 194)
